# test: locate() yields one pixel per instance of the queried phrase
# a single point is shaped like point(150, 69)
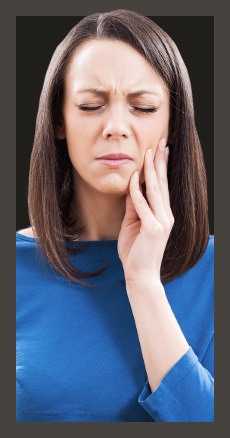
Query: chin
point(114, 190)
point(113, 185)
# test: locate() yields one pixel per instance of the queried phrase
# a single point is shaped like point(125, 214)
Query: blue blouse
point(78, 354)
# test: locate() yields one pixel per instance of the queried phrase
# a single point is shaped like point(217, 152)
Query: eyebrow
point(102, 93)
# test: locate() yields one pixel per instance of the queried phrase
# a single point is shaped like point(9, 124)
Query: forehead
point(111, 63)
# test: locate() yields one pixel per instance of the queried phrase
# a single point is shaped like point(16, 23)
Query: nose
point(116, 124)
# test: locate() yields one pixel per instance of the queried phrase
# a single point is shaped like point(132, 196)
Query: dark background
point(37, 38)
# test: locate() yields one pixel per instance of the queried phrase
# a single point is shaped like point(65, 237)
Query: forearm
point(161, 339)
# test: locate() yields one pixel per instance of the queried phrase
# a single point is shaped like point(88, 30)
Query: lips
point(117, 156)
point(114, 161)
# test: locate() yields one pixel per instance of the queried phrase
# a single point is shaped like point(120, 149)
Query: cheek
point(80, 132)
point(76, 139)
point(154, 131)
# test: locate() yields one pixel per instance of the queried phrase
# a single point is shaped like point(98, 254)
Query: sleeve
point(186, 394)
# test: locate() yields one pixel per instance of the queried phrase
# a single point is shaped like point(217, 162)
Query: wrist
point(145, 286)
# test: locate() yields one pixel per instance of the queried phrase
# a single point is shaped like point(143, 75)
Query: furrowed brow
point(103, 93)
point(92, 90)
point(141, 92)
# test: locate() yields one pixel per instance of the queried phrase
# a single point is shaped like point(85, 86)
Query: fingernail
point(162, 144)
point(150, 155)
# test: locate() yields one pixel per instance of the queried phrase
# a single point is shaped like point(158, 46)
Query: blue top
point(78, 353)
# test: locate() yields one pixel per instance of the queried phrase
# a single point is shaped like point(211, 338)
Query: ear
point(60, 131)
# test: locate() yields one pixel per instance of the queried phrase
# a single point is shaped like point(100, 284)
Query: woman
point(117, 196)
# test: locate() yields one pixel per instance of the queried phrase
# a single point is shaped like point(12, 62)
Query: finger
point(130, 211)
point(141, 205)
point(153, 191)
point(161, 167)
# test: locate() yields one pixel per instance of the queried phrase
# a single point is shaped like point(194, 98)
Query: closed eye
point(145, 110)
point(89, 108)
point(135, 108)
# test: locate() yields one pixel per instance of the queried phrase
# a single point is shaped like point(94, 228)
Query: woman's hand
point(141, 244)
point(146, 225)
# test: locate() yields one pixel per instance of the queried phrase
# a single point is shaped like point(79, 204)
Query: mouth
point(114, 161)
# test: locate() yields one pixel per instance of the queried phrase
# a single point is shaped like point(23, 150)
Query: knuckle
point(172, 220)
point(158, 228)
point(167, 224)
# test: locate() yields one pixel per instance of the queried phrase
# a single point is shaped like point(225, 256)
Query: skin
point(110, 200)
point(116, 126)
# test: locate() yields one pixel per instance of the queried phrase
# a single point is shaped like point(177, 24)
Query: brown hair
point(51, 179)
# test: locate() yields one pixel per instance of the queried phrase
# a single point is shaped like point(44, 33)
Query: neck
point(101, 214)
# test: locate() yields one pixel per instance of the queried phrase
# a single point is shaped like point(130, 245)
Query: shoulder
point(26, 248)
point(211, 242)
point(194, 289)
point(202, 273)
point(205, 264)
point(28, 232)
point(25, 239)
point(208, 255)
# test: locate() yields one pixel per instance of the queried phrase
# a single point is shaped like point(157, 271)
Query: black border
point(220, 14)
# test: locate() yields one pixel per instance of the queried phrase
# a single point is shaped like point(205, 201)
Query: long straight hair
point(51, 187)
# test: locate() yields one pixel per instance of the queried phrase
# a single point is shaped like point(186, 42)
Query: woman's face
point(114, 103)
